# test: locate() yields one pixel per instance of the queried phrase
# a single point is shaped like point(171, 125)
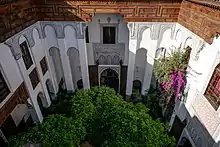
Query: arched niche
point(70, 36)
point(140, 64)
point(35, 34)
point(50, 89)
point(50, 36)
point(110, 78)
point(178, 37)
point(184, 142)
point(74, 62)
point(188, 42)
point(145, 38)
point(137, 85)
point(102, 60)
point(41, 100)
point(80, 84)
point(57, 63)
point(116, 60)
point(166, 39)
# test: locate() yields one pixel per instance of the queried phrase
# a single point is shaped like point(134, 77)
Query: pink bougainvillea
point(177, 83)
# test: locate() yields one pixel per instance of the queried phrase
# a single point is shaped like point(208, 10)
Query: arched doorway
point(110, 79)
point(137, 85)
point(41, 102)
point(50, 89)
point(80, 84)
point(185, 143)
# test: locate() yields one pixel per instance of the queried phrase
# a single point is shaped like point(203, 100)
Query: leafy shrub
point(110, 121)
point(54, 131)
point(102, 118)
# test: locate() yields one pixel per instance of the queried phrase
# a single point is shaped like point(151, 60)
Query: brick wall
point(16, 16)
point(202, 20)
point(19, 96)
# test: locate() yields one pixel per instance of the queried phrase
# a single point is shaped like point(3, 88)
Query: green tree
point(102, 118)
point(110, 121)
point(54, 131)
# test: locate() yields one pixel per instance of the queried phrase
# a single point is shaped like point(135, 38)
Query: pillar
point(65, 64)
point(149, 66)
point(132, 48)
point(49, 65)
point(84, 63)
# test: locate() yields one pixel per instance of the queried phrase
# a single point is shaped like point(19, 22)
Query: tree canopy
point(102, 118)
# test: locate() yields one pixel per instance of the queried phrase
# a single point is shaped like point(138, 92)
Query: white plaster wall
point(25, 74)
point(140, 64)
point(75, 65)
point(38, 54)
point(166, 40)
point(72, 50)
point(49, 42)
point(9, 70)
point(19, 112)
point(151, 46)
point(198, 77)
point(95, 33)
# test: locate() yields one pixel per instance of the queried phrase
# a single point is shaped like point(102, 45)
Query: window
point(188, 52)
point(26, 55)
point(34, 78)
point(4, 90)
point(109, 35)
point(87, 35)
point(43, 64)
point(212, 92)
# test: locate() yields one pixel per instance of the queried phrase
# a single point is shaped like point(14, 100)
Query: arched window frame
point(212, 92)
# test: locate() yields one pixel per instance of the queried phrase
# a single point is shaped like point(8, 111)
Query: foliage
point(153, 101)
point(170, 72)
point(54, 131)
point(101, 117)
point(176, 61)
point(170, 75)
point(110, 121)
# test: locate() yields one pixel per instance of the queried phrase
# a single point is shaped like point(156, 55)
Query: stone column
point(132, 48)
point(64, 58)
point(83, 55)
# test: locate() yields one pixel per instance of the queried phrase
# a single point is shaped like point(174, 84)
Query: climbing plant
point(170, 75)
point(170, 72)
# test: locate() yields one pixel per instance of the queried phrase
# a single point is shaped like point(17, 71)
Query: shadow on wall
point(190, 131)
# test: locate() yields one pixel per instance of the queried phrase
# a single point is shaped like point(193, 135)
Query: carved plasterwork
point(107, 54)
point(116, 68)
point(60, 26)
point(13, 42)
point(133, 30)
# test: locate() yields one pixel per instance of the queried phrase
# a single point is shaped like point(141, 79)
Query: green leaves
point(102, 118)
point(54, 131)
point(177, 60)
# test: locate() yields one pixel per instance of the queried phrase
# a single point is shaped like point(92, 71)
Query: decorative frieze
point(109, 54)
point(60, 26)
